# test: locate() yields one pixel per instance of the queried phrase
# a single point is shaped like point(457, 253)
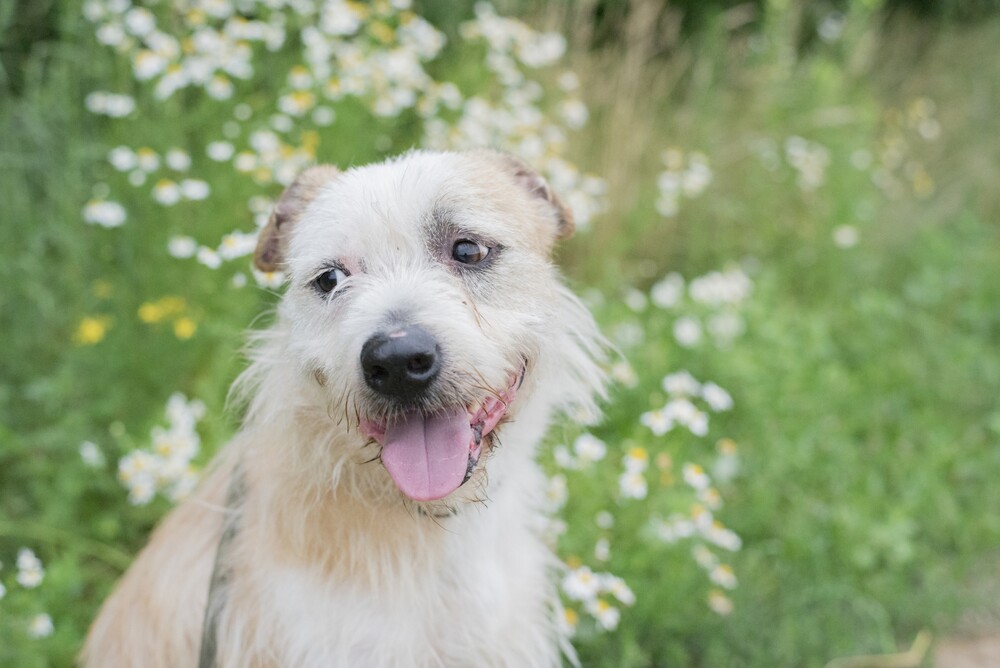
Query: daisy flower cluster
point(597, 594)
point(678, 503)
point(648, 475)
point(586, 591)
point(30, 574)
point(213, 48)
point(699, 527)
point(331, 51)
point(171, 187)
point(895, 168)
point(271, 158)
point(165, 466)
point(686, 177)
point(30, 571)
point(139, 165)
point(517, 120)
point(114, 105)
point(698, 523)
point(234, 245)
point(710, 302)
point(682, 390)
point(680, 410)
point(104, 213)
point(809, 159)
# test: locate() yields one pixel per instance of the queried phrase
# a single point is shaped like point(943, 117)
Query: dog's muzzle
point(428, 454)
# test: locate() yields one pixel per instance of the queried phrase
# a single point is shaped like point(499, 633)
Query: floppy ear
point(272, 244)
point(536, 185)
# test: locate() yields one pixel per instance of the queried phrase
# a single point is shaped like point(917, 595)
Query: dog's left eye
point(330, 279)
point(469, 252)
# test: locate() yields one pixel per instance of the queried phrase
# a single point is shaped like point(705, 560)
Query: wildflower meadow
point(788, 228)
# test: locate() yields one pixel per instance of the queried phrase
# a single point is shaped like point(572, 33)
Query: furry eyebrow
point(439, 221)
point(325, 266)
point(441, 227)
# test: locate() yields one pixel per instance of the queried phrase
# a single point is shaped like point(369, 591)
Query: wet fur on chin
point(332, 565)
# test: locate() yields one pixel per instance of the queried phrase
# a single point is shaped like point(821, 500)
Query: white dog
point(381, 505)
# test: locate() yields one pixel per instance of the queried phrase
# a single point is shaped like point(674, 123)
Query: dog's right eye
point(469, 252)
point(330, 279)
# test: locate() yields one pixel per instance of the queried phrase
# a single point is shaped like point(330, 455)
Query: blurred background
point(790, 228)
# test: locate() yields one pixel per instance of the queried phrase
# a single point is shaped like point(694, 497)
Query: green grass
point(865, 385)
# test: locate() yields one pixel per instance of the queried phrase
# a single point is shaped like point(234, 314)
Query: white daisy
point(581, 584)
point(40, 626)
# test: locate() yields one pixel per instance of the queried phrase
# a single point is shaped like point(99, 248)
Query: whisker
point(329, 412)
point(486, 386)
point(347, 402)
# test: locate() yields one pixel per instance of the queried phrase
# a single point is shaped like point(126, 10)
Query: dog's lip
point(484, 416)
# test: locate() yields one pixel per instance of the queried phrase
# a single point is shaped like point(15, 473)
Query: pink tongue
point(428, 455)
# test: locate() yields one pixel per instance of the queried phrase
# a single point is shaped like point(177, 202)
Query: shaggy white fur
point(331, 564)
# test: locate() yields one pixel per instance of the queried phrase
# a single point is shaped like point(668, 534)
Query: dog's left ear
point(272, 244)
point(537, 186)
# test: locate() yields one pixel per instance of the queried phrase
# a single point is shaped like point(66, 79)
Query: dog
point(381, 505)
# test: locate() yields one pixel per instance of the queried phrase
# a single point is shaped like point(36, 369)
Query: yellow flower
point(572, 618)
point(154, 312)
point(91, 330)
point(381, 32)
point(150, 312)
point(573, 562)
point(184, 328)
point(310, 140)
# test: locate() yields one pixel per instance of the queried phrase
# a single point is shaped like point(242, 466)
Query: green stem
point(109, 555)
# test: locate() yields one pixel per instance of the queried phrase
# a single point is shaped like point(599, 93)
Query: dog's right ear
point(272, 243)
point(538, 187)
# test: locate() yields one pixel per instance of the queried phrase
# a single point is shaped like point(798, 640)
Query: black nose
point(401, 364)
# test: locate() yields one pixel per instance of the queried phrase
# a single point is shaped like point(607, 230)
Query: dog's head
point(424, 309)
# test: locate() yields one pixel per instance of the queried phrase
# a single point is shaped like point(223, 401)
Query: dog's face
point(421, 295)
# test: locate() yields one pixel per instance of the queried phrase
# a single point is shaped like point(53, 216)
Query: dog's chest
point(470, 601)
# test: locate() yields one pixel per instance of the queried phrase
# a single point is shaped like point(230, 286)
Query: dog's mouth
point(430, 455)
